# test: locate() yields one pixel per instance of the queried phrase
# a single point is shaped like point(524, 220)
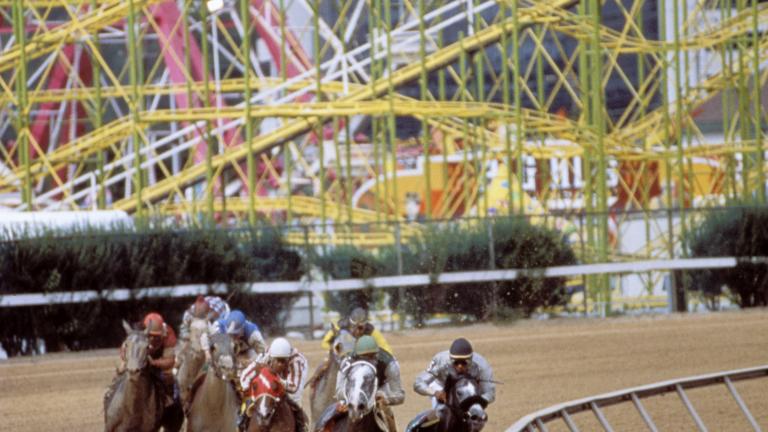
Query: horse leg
point(173, 418)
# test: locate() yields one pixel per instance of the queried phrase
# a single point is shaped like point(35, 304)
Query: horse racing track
point(539, 362)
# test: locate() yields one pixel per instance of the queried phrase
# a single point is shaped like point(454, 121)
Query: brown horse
point(271, 411)
point(191, 359)
point(214, 400)
point(323, 383)
point(134, 401)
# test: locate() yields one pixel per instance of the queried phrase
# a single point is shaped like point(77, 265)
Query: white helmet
point(280, 348)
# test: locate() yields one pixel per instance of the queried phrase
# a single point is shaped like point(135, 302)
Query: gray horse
point(191, 359)
point(362, 414)
point(214, 400)
point(134, 401)
point(323, 382)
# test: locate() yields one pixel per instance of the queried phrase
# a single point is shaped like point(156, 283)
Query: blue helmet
point(235, 323)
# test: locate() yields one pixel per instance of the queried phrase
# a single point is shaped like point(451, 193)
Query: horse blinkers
point(475, 417)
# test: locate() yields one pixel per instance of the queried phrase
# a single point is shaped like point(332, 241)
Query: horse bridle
point(216, 358)
point(267, 395)
point(461, 409)
point(370, 402)
point(133, 346)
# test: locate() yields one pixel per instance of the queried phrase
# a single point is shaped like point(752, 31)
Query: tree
point(735, 231)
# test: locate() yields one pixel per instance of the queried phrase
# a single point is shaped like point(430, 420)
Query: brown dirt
point(540, 363)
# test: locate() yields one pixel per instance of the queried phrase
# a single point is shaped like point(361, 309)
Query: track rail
point(538, 420)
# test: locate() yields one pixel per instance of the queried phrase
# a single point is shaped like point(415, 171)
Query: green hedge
point(104, 260)
point(349, 262)
point(126, 258)
point(516, 244)
point(736, 231)
point(455, 247)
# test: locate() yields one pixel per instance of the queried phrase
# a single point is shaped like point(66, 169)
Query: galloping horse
point(271, 411)
point(323, 382)
point(134, 401)
point(214, 402)
point(360, 394)
point(191, 359)
point(464, 410)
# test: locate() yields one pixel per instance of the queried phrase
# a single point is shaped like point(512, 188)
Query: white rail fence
point(309, 287)
point(538, 421)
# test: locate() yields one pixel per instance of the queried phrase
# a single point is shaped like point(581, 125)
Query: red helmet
point(154, 323)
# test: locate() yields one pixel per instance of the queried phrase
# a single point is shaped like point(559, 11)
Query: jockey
point(291, 367)
point(390, 391)
point(357, 324)
point(461, 360)
point(197, 319)
point(246, 335)
point(210, 308)
point(162, 342)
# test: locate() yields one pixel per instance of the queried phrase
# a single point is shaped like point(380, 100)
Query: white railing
point(538, 420)
point(36, 299)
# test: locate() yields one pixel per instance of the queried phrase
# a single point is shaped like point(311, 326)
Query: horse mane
point(112, 388)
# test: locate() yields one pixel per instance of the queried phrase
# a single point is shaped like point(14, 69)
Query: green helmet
point(366, 345)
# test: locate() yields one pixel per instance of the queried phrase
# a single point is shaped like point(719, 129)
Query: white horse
point(359, 393)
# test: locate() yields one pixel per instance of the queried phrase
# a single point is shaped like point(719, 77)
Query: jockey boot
point(170, 389)
point(244, 415)
point(389, 416)
point(242, 422)
point(302, 421)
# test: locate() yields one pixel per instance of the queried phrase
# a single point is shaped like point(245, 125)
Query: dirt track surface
point(540, 363)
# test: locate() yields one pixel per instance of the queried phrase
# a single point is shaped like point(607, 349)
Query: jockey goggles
point(461, 361)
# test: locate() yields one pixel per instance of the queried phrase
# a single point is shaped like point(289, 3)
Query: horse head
point(223, 356)
point(466, 403)
point(343, 344)
point(197, 327)
point(136, 348)
point(360, 389)
point(267, 392)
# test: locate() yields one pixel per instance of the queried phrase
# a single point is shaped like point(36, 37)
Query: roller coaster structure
point(377, 111)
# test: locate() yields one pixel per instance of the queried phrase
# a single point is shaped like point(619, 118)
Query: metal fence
point(563, 413)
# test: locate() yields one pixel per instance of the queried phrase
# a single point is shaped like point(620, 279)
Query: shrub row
point(452, 248)
point(125, 258)
point(735, 231)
